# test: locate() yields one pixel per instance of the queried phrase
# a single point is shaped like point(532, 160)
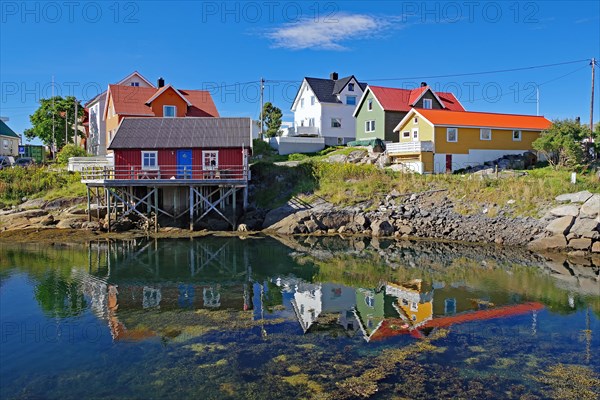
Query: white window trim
point(406, 135)
point(413, 137)
point(448, 135)
point(312, 100)
point(351, 87)
point(150, 168)
point(174, 109)
point(481, 137)
point(370, 126)
point(210, 153)
point(520, 135)
point(370, 105)
point(430, 104)
point(301, 103)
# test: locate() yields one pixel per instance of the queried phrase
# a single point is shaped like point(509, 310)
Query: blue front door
point(184, 164)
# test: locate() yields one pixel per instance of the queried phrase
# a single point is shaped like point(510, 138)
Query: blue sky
point(193, 45)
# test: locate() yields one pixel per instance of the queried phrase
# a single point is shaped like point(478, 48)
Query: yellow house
point(437, 141)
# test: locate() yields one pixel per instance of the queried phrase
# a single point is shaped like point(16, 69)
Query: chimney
point(333, 76)
point(161, 82)
point(578, 120)
point(423, 84)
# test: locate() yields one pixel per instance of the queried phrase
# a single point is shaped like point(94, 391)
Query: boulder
point(360, 220)
point(311, 226)
point(337, 158)
point(242, 228)
point(580, 244)
point(69, 223)
point(382, 228)
point(356, 155)
point(548, 243)
point(560, 226)
point(277, 214)
point(567, 209)
point(579, 197)
point(383, 161)
point(91, 225)
point(596, 247)
point(335, 220)
point(585, 227)
point(34, 203)
point(591, 208)
point(289, 224)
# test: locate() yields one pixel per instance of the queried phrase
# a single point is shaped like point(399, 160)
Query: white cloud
point(326, 34)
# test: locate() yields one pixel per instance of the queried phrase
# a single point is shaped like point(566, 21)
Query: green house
point(381, 109)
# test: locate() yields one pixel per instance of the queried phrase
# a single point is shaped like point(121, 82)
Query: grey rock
point(381, 228)
point(580, 244)
point(596, 247)
point(591, 207)
point(548, 243)
point(560, 226)
point(567, 209)
point(579, 197)
point(337, 158)
point(585, 227)
point(356, 155)
point(69, 223)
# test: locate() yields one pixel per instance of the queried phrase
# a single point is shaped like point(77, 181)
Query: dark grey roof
point(327, 89)
point(179, 133)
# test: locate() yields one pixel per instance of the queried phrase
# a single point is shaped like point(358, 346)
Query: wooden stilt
point(245, 197)
point(234, 219)
point(191, 209)
point(155, 209)
point(98, 203)
point(108, 201)
point(89, 211)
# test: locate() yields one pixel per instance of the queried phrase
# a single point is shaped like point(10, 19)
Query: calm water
point(221, 318)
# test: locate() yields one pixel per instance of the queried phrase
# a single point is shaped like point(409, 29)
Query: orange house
point(164, 101)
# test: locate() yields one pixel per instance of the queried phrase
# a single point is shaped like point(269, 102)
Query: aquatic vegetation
point(570, 382)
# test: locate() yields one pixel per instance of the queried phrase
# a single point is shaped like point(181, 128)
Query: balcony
point(408, 147)
point(309, 131)
point(164, 175)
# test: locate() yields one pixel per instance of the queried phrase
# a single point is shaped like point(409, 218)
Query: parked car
point(24, 162)
point(6, 161)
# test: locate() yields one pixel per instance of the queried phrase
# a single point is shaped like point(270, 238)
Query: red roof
point(131, 101)
point(396, 326)
point(484, 119)
point(393, 99)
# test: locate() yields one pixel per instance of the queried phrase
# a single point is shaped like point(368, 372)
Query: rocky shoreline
point(572, 226)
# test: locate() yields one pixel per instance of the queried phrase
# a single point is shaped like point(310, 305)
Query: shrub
point(68, 151)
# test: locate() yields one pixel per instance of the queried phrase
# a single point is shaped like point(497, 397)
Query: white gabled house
point(324, 108)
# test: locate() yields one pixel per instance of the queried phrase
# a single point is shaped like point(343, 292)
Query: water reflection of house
point(323, 303)
point(409, 308)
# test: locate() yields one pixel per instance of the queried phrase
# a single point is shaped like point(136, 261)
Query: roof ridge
point(482, 112)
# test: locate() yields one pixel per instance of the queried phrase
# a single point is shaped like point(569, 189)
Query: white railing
point(79, 163)
point(408, 147)
point(172, 172)
point(303, 131)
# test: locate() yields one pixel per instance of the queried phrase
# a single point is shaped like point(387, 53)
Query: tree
point(61, 113)
point(271, 118)
point(562, 144)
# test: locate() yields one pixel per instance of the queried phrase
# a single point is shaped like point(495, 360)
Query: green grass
point(38, 182)
point(348, 184)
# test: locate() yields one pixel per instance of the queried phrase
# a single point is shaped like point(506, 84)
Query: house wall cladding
point(125, 159)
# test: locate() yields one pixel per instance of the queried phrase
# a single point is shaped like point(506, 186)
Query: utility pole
point(75, 137)
point(262, 95)
point(66, 126)
point(592, 102)
point(53, 135)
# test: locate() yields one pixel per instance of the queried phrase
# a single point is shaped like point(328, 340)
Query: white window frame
point(339, 122)
point(370, 105)
point(350, 97)
point(429, 102)
point(482, 136)
point(135, 84)
point(154, 155)
point(210, 155)
point(351, 87)
point(311, 122)
point(312, 100)
point(301, 103)
point(415, 135)
point(406, 135)
point(520, 135)
point(5, 144)
point(165, 107)
point(448, 130)
point(370, 126)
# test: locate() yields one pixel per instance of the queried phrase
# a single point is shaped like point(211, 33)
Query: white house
point(324, 108)
point(96, 143)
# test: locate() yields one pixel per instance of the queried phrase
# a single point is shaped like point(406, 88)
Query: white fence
point(408, 147)
point(77, 164)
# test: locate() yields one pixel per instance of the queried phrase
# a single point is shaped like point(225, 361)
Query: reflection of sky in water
point(71, 314)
